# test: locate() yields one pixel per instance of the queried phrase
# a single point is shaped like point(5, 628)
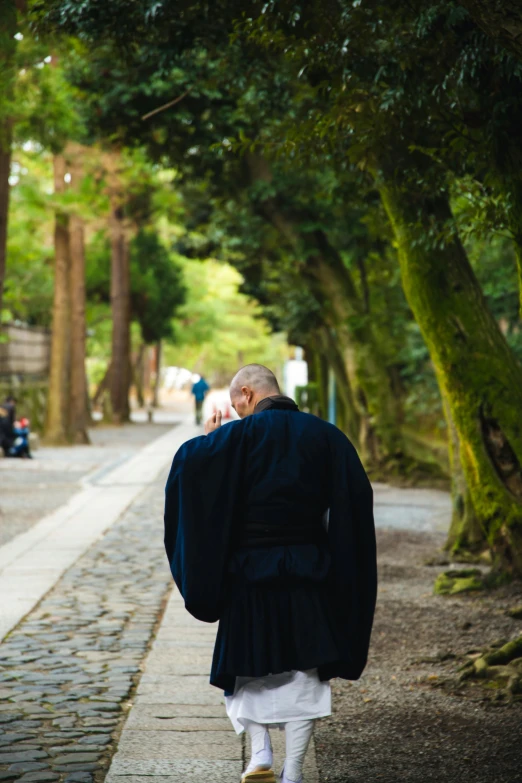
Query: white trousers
point(278, 699)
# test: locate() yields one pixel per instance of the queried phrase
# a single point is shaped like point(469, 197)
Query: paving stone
point(194, 769)
point(171, 710)
point(75, 758)
point(92, 767)
point(164, 745)
point(188, 724)
point(95, 739)
point(78, 777)
point(39, 777)
point(14, 737)
point(28, 766)
point(181, 697)
point(24, 755)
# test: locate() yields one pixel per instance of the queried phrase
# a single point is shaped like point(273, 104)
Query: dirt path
point(407, 719)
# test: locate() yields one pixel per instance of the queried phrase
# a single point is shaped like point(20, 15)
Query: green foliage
point(219, 328)
point(29, 283)
point(157, 289)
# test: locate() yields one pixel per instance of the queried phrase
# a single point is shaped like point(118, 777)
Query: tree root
point(463, 581)
point(501, 666)
point(468, 580)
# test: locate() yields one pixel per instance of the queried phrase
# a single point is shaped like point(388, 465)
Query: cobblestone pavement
point(56, 474)
point(67, 671)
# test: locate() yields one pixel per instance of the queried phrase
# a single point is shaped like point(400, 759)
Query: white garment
point(279, 698)
point(298, 735)
point(262, 756)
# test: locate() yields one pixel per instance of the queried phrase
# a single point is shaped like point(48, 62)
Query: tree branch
point(167, 105)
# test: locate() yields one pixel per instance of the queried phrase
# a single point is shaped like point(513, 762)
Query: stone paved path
point(68, 669)
point(32, 562)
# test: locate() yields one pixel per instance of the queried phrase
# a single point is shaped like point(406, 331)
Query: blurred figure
point(21, 443)
point(199, 390)
point(7, 421)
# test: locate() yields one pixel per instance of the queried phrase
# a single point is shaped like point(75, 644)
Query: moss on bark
point(379, 409)
point(479, 376)
point(466, 535)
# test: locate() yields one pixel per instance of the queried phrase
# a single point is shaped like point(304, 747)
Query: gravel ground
point(68, 670)
point(31, 489)
point(407, 719)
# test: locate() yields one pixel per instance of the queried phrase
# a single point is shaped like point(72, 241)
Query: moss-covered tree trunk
point(480, 378)
point(336, 360)
point(79, 412)
point(378, 407)
point(380, 437)
point(120, 375)
point(57, 418)
point(511, 188)
point(466, 535)
point(319, 362)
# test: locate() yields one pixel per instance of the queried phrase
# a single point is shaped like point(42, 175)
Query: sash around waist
point(258, 534)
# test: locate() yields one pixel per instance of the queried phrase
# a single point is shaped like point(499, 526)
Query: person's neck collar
point(276, 401)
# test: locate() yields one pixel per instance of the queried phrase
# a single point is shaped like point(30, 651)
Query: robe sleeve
point(202, 503)
point(351, 534)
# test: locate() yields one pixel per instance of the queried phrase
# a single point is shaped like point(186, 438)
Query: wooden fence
point(24, 351)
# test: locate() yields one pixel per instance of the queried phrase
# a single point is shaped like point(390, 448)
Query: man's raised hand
point(213, 423)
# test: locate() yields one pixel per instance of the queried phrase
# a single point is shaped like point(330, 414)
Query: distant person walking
point(199, 390)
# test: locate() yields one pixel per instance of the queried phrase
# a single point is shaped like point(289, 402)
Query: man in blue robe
point(269, 529)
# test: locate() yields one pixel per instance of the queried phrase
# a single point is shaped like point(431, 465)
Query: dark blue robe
point(284, 607)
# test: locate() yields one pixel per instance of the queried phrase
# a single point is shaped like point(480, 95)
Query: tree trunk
point(465, 534)
point(319, 366)
point(139, 375)
point(500, 19)
point(379, 408)
point(480, 378)
point(380, 416)
point(103, 386)
point(120, 296)
point(331, 350)
point(157, 378)
point(79, 414)
point(56, 428)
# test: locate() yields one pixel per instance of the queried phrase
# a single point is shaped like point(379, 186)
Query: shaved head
point(250, 385)
point(257, 377)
